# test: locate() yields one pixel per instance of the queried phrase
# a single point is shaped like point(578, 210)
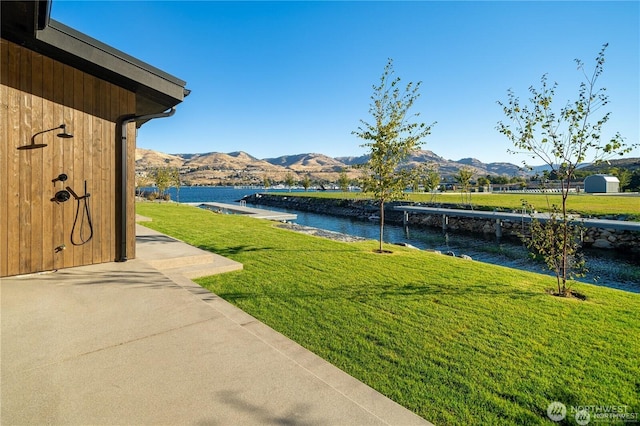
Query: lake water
point(606, 268)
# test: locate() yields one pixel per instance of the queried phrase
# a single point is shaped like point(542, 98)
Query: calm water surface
point(606, 268)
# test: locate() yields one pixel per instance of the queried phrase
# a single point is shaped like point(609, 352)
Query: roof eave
point(151, 85)
point(156, 91)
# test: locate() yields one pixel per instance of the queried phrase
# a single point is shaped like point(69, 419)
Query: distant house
point(601, 184)
point(70, 107)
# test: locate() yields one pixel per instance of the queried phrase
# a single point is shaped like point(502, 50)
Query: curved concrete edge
point(128, 343)
point(125, 343)
point(388, 411)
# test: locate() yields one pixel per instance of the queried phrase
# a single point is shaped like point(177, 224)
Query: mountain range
point(240, 168)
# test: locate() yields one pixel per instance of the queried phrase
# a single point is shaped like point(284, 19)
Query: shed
point(601, 184)
point(70, 107)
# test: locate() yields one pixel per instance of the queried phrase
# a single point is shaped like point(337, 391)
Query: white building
point(601, 184)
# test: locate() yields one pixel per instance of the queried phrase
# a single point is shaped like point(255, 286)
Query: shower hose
point(82, 204)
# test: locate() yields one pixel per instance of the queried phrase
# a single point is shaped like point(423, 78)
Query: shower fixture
point(61, 196)
point(33, 145)
point(64, 134)
point(61, 177)
point(78, 235)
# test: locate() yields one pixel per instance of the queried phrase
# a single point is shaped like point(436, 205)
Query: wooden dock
point(246, 211)
point(516, 217)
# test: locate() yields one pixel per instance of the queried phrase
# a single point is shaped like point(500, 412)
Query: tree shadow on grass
point(362, 293)
point(230, 251)
point(319, 250)
point(461, 290)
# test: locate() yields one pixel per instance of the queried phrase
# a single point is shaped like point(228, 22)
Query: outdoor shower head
point(64, 134)
point(33, 145)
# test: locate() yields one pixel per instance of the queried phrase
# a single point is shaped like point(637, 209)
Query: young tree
point(266, 182)
point(306, 182)
point(463, 177)
point(174, 181)
point(140, 182)
point(562, 140)
point(416, 179)
point(431, 181)
point(420, 176)
point(289, 181)
point(623, 175)
point(162, 178)
point(559, 255)
point(343, 181)
point(391, 138)
point(483, 181)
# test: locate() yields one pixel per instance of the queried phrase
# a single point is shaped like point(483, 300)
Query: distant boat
point(374, 217)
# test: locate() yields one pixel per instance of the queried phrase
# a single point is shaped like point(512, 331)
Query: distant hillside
point(148, 159)
point(220, 161)
point(352, 161)
point(241, 168)
point(307, 162)
point(500, 169)
point(631, 164)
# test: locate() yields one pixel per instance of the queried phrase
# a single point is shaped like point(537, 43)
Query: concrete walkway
point(127, 343)
point(246, 211)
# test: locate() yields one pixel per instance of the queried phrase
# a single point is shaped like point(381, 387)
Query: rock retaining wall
point(363, 209)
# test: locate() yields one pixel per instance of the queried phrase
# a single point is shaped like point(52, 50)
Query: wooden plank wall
point(38, 93)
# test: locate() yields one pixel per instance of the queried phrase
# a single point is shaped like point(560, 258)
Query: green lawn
point(585, 204)
point(456, 341)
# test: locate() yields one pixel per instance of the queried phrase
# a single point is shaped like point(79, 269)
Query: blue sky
point(278, 78)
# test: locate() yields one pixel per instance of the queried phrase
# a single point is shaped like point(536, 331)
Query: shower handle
point(61, 177)
point(76, 196)
point(61, 196)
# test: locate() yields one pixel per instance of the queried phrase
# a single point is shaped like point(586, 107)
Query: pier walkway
point(247, 211)
point(516, 217)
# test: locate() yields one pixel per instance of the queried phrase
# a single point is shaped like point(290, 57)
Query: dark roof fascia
point(43, 14)
point(27, 23)
point(78, 42)
point(88, 54)
point(19, 18)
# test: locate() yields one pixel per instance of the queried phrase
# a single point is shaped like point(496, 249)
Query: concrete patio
point(139, 343)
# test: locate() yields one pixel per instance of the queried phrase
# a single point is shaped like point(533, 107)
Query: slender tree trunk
point(565, 235)
point(381, 223)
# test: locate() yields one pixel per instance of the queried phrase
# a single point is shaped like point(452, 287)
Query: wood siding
point(38, 93)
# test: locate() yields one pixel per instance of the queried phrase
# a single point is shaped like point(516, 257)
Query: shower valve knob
point(61, 196)
point(61, 177)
